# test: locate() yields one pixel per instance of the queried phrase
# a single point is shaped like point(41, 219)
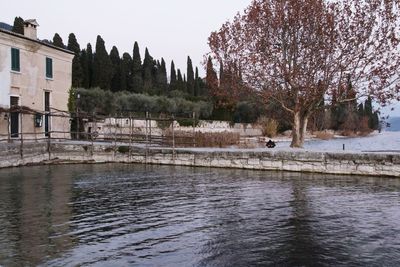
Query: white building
point(36, 75)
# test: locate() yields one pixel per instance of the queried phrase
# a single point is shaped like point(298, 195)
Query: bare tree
point(299, 52)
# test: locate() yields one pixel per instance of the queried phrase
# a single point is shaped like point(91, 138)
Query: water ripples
point(120, 215)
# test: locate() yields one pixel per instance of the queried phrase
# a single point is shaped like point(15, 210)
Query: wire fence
point(21, 125)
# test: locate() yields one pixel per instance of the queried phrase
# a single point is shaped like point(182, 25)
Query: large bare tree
point(299, 52)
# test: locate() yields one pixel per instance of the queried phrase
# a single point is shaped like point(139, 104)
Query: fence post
point(93, 131)
point(130, 136)
point(22, 137)
point(8, 128)
point(49, 141)
point(150, 140)
point(173, 139)
point(147, 137)
point(77, 124)
point(194, 128)
point(115, 134)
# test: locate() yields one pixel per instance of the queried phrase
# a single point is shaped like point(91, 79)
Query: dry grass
point(269, 127)
point(185, 139)
point(324, 135)
point(223, 139)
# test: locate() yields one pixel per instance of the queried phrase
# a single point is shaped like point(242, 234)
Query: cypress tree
point(126, 66)
point(369, 113)
point(137, 80)
point(197, 83)
point(162, 80)
point(89, 70)
point(148, 64)
point(368, 106)
point(85, 69)
point(57, 41)
point(190, 77)
point(375, 120)
point(18, 26)
point(180, 84)
point(102, 67)
point(73, 44)
point(221, 75)
point(77, 73)
point(172, 82)
point(156, 88)
point(211, 76)
point(116, 70)
point(360, 110)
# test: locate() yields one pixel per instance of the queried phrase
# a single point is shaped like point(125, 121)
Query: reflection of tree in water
point(35, 204)
point(267, 218)
point(301, 247)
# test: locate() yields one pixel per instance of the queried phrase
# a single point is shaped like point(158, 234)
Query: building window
point(15, 66)
point(49, 68)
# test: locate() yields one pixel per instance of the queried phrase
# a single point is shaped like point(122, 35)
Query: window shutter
point(15, 62)
point(49, 67)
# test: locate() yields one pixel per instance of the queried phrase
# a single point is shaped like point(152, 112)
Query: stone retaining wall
point(299, 161)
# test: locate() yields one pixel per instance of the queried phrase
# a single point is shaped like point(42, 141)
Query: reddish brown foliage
point(298, 52)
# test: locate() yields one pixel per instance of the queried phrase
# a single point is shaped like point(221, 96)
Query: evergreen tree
point(77, 72)
point(211, 77)
point(373, 118)
point(18, 26)
point(221, 75)
point(137, 80)
point(360, 110)
point(126, 67)
point(197, 83)
point(73, 44)
point(180, 85)
point(57, 41)
point(375, 121)
point(368, 107)
point(190, 77)
point(88, 78)
point(148, 64)
point(85, 68)
point(102, 67)
point(116, 70)
point(155, 89)
point(162, 80)
point(172, 81)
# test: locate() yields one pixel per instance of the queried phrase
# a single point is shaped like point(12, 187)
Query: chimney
point(30, 30)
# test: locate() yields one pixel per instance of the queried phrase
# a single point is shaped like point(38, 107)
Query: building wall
point(30, 83)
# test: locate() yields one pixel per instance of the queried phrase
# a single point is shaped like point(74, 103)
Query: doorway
point(47, 114)
point(14, 118)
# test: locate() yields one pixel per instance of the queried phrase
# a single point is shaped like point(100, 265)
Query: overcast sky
point(173, 29)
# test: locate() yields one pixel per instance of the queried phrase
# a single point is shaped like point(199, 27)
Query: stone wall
point(299, 161)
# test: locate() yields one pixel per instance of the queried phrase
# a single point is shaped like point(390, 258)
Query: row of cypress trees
point(115, 72)
point(128, 73)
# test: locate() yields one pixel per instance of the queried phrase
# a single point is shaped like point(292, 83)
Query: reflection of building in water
point(35, 214)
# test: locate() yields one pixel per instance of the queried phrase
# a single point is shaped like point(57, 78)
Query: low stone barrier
point(374, 164)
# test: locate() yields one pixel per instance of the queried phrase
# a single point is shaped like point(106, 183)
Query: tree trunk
point(299, 130)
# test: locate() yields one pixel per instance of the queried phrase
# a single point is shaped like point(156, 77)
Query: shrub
point(324, 135)
point(269, 127)
point(98, 101)
point(123, 149)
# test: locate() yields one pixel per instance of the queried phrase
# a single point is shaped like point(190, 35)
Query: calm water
point(133, 215)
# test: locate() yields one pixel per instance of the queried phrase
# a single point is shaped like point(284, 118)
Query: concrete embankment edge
point(371, 164)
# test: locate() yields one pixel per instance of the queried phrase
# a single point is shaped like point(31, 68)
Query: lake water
point(135, 215)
